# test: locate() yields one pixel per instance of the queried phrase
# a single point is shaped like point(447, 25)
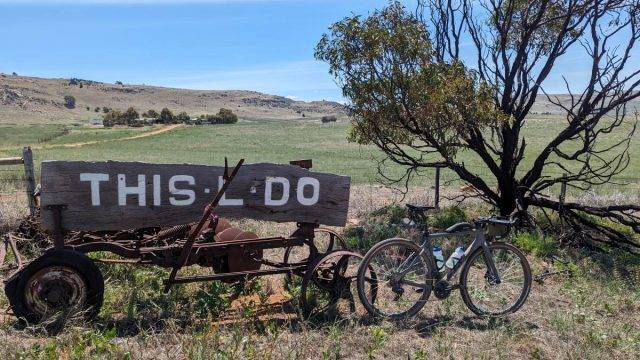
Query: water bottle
point(455, 257)
point(437, 253)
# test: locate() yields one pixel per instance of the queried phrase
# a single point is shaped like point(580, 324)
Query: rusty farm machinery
point(179, 221)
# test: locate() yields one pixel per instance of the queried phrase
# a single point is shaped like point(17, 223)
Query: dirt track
point(161, 130)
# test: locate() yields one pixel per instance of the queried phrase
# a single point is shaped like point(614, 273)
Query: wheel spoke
point(401, 269)
point(483, 294)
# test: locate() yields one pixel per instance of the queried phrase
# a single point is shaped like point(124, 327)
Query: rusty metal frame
point(188, 251)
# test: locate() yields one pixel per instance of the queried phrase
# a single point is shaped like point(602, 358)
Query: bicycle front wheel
point(403, 279)
point(484, 295)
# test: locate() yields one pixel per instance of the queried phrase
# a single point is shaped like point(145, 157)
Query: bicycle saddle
point(419, 207)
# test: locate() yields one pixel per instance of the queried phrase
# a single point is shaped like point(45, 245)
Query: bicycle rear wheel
point(482, 294)
point(403, 280)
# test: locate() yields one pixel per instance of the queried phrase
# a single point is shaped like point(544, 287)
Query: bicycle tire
point(371, 308)
point(524, 294)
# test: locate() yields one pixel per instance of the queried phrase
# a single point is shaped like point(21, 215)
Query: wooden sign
point(125, 195)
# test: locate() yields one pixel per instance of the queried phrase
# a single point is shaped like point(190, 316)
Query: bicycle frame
point(479, 241)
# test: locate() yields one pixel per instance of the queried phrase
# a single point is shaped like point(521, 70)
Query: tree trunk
point(508, 199)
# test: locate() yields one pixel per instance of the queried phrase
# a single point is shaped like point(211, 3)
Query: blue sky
point(263, 45)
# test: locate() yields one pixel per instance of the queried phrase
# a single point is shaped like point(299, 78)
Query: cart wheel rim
point(55, 288)
point(327, 287)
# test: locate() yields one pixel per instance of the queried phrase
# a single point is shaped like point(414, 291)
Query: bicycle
point(495, 279)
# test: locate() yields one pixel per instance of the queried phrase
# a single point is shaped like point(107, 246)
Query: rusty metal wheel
point(58, 281)
point(328, 290)
point(324, 241)
point(54, 288)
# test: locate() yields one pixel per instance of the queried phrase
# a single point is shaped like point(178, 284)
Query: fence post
point(437, 188)
point(29, 174)
point(563, 189)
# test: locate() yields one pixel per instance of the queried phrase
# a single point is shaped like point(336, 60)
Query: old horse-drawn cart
point(176, 217)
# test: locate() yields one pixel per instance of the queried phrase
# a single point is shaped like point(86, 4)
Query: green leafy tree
point(224, 116)
point(130, 116)
point(182, 117)
point(151, 114)
point(413, 95)
point(166, 116)
point(227, 116)
point(113, 117)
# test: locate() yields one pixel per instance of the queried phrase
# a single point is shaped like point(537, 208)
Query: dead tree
point(517, 45)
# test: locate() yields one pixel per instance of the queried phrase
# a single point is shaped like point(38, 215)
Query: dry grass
point(13, 206)
point(30, 100)
point(592, 313)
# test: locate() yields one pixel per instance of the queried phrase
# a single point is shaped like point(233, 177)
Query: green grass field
point(585, 305)
point(12, 136)
point(268, 141)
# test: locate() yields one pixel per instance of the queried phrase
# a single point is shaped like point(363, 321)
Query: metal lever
point(195, 232)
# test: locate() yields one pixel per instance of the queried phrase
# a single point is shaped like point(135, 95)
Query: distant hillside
point(545, 107)
point(37, 100)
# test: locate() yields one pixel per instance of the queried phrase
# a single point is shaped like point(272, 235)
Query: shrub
point(113, 117)
point(119, 83)
point(105, 109)
point(329, 118)
point(69, 102)
point(536, 243)
point(182, 117)
point(446, 217)
point(166, 116)
point(227, 116)
point(211, 119)
point(151, 114)
point(392, 214)
point(97, 109)
point(130, 116)
point(379, 225)
point(212, 299)
point(137, 123)
point(365, 236)
point(224, 116)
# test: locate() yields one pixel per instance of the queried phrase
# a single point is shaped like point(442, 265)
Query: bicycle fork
point(492, 273)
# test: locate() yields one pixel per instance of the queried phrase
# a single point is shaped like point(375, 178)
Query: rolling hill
point(30, 100)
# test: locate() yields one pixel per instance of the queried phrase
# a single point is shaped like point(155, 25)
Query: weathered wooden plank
point(121, 195)
point(11, 161)
point(30, 179)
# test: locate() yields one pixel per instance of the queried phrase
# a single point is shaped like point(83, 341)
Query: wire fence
point(17, 180)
